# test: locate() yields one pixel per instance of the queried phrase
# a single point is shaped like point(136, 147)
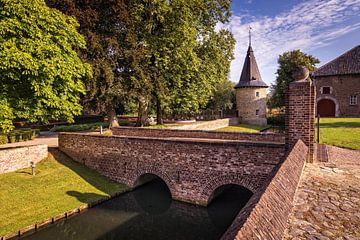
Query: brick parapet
point(193, 168)
point(12, 159)
point(167, 133)
point(265, 215)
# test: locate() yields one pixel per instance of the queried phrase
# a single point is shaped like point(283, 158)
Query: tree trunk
point(112, 118)
point(159, 119)
point(142, 112)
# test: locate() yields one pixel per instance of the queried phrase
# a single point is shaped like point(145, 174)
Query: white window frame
point(322, 89)
point(257, 112)
point(257, 94)
point(353, 100)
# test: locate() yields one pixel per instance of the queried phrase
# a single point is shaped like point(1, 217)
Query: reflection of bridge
point(192, 167)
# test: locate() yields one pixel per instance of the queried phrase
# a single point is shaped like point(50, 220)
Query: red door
point(326, 108)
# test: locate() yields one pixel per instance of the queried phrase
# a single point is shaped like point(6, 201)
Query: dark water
point(149, 213)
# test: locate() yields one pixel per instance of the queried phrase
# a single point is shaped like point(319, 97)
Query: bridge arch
point(213, 188)
point(142, 176)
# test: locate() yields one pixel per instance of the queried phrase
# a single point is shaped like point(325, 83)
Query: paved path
point(327, 202)
point(49, 138)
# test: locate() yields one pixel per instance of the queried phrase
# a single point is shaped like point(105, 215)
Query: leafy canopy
point(288, 61)
point(40, 71)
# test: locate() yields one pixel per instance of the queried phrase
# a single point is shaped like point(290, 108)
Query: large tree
point(40, 71)
point(288, 61)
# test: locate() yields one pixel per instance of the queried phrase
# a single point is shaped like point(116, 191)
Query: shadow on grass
point(91, 176)
point(340, 124)
point(84, 197)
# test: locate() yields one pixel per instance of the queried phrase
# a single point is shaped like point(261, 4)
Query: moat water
point(148, 212)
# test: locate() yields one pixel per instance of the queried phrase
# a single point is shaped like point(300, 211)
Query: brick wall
point(165, 133)
point(265, 215)
point(300, 115)
point(12, 159)
point(208, 125)
point(342, 87)
point(192, 168)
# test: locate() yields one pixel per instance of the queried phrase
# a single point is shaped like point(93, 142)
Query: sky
point(322, 28)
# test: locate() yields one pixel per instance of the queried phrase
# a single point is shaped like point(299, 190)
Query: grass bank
point(60, 185)
point(341, 132)
point(242, 128)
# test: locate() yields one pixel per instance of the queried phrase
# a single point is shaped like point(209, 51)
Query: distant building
point(251, 92)
point(338, 86)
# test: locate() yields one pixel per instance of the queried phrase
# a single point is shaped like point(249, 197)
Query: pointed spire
point(250, 75)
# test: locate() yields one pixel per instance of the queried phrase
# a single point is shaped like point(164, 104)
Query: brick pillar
point(300, 113)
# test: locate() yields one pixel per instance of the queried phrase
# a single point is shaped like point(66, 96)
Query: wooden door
point(326, 108)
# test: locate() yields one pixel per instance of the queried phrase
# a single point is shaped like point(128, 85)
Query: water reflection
point(149, 213)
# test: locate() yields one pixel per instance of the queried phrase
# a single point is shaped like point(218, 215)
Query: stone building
point(251, 92)
point(338, 86)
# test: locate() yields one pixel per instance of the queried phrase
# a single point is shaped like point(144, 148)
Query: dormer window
point(326, 90)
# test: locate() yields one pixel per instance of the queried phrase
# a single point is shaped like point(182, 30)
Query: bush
point(22, 134)
point(276, 120)
point(79, 127)
point(3, 139)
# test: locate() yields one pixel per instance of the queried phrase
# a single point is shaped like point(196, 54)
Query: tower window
point(353, 100)
point(257, 94)
point(257, 112)
point(326, 90)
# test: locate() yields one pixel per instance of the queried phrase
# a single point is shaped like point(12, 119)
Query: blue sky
point(323, 28)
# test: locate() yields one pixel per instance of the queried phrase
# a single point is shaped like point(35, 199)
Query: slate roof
point(347, 63)
point(250, 75)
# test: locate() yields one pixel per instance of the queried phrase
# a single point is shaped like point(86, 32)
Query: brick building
point(251, 92)
point(338, 86)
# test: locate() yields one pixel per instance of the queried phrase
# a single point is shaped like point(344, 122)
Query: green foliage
point(3, 139)
point(242, 128)
point(79, 127)
point(288, 61)
point(40, 71)
point(22, 134)
point(276, 120)
point(223, 97)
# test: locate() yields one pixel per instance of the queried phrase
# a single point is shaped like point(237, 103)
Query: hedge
point(19, 135)
point(79, 127)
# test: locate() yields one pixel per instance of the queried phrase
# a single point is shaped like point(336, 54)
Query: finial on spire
point(250, 36)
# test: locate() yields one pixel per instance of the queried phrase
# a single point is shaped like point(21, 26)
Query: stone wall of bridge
point(166, 133)
point(192, 168)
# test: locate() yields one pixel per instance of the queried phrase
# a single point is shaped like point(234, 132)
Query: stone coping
point(205, 141)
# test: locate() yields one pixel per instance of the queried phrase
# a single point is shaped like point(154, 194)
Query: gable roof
point(347, 63)
point(250, 75)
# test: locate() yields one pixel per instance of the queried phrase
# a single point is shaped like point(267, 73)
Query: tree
point(288, 61)
point(223, 97)
point(40, 71)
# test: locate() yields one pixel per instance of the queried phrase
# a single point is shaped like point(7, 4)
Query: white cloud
point(307, 26)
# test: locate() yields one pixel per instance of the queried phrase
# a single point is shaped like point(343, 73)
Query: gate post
point(300, 111)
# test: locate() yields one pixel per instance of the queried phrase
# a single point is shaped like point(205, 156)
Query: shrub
point(22, 134)
point(276, 120)
point(79, 127)
point(3, 139)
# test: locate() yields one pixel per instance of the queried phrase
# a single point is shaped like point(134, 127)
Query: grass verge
point(242, 128)
point(340, 132)
point(60, 185)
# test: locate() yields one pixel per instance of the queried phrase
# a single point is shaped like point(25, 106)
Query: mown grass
point(341, 132)
point(243, 128)
point(60, 185)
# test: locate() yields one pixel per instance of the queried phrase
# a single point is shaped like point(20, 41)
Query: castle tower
point(251, 92)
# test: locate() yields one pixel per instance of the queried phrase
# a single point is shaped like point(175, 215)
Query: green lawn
point(60, 185)
point(341, 132)
point(243, 128)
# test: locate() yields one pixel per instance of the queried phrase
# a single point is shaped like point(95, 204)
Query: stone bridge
point(193, 164)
